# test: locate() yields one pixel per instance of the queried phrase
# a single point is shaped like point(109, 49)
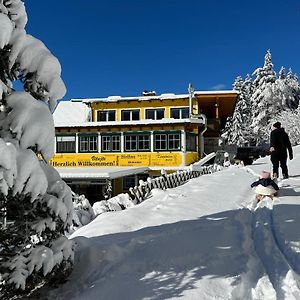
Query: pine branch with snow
point(36, 206)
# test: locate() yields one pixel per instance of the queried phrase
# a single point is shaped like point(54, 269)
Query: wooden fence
point(167, 181)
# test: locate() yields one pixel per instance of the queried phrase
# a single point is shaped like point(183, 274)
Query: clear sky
point(123, 47)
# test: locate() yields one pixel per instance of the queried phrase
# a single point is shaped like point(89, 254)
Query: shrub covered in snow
point(83, 211)
point(35, 204)
point(119, 202)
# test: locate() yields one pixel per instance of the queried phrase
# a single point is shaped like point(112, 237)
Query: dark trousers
point(279, 159)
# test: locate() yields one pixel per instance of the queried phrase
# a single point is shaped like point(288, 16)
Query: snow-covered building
point(123, 139)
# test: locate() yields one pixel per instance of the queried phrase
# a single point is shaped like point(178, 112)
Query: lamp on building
point(217, 110)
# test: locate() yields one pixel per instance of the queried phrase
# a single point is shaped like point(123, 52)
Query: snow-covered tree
point(226, 131)
point(248, 87)
point(35, 204)
point(282, 73)
point(265, 104)
point(286, 90)
point(237, 127)
point(234, 135)
point(292, 82)
point(289, 120)
point(260, 103)
point(238, 83)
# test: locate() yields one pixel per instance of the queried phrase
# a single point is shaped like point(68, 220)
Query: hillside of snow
point(203, 240)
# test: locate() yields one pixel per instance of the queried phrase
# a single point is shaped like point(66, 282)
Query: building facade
point(124, 139)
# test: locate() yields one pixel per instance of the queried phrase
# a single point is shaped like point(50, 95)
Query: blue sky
point(122, 47)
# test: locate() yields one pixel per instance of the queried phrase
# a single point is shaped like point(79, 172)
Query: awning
point(99, 173)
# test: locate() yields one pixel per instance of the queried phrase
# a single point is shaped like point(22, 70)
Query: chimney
point(149, 93)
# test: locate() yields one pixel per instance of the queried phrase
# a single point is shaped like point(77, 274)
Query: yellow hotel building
point(124, 139)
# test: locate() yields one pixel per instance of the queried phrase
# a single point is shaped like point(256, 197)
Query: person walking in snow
point(279, 146)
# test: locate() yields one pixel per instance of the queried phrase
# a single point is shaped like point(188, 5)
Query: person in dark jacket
point(265, 180)
point(265, 186)
point(280, 147)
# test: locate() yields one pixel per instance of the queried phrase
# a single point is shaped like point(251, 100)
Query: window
point(88, 143)
point(137, 142)
point(66, 144)
point(191, 142)
point(116, 143)
point(144, 142)
point(106, 115)
point(180, 113)
point(155, 114)
point(111, 142)
point(167, 141)
point(174, 141)
point(160, 142)
point(128, 182)
point(130, 143)
point(133, 180)
point(130, 115)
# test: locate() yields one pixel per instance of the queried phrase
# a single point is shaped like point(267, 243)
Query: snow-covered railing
point(167, 181)
point(198, 164)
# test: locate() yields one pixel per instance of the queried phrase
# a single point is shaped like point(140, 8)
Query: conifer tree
point(289, 120)
point(264, 103)
point(247, 90)
point(261, 102)
point(292, 82)
point(35, 204)
point(235, 135)
point(286, 90)
point(282, 73)
point(237, 127)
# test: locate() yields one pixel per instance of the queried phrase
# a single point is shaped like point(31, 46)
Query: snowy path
point(280, 259)
point(203, 240)
point(278, 266)
point(270, 269)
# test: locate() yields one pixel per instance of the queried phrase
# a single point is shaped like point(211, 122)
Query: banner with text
point(117, 160)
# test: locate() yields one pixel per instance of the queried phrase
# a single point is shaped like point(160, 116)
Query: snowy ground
point(203, 240)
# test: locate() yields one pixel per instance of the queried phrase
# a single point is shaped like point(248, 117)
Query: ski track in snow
point(281, 264)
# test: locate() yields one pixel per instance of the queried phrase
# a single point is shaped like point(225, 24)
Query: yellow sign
point(170, 159)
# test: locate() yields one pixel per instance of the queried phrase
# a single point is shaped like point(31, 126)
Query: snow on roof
point(152, 97)
point(234, 92)
point(99, 173)
point(75, 123)
point(139, 98)
point(71, 112)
